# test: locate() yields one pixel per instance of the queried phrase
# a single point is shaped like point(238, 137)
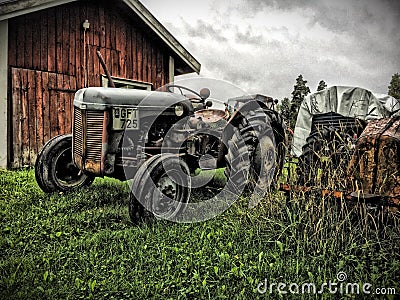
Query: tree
point(394, 87)
point(298, 95)
point(321, 86)
point(284, 109)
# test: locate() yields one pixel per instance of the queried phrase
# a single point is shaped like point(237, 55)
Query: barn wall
point(3, 92)
point(53, 40)
point(52, 44)
point(36, 95)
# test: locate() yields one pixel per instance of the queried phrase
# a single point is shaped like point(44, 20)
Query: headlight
point(179, 110)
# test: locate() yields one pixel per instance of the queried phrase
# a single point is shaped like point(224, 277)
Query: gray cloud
point(204, 30)
point(263, 45)
point(248, 37)
point(355, 16)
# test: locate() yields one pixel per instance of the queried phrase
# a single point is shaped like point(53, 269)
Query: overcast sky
point(263, 45)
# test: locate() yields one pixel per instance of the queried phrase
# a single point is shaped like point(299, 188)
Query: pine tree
point(284, 110)
point(298, 95)
point(394, 87)
point(321, 86)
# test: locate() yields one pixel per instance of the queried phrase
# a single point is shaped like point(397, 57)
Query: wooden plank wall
point(42, 108)
point(46, 62)
point(52, 40)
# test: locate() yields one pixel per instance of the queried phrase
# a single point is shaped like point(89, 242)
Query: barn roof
point(14, 8)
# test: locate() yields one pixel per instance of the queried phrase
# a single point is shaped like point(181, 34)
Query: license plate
point(125, 118)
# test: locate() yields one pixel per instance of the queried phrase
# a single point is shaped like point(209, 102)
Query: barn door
point(41, 109)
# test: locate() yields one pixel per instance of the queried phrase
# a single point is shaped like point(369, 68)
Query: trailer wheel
point(162, 186)
point(55, 170)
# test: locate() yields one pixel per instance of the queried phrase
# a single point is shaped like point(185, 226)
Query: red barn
point(48, 51)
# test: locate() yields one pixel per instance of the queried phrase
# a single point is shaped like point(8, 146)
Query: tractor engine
point(198, 138)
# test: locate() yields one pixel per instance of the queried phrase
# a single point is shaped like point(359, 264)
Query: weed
point(82, 246)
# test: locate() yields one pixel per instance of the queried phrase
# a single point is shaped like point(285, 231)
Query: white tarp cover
point(348, 101)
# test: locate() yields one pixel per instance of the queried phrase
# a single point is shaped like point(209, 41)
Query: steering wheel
point(181, 88)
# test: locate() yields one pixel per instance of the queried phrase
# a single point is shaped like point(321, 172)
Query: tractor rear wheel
point(237, 163)
point(252, 158)
point(258, 135)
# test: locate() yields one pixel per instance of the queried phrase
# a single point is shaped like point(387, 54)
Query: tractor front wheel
point(55, 170)
point(162, 186)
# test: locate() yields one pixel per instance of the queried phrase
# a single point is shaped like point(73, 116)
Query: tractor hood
point(99, 98)
point(351, 102)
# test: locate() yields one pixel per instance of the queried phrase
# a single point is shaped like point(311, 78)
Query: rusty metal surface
point(345, 195)
point(89, 166)
point(93, 167)
point(210, 115)
point(375, 165)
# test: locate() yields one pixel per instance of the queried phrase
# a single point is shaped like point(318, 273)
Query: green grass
point(83, 245)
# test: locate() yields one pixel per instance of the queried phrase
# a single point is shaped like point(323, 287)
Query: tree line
point(289, 108)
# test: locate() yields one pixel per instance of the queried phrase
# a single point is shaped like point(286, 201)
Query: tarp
point(348, 101)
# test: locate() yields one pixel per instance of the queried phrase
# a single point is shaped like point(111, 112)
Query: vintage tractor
point(347, 144)
point(161, 139)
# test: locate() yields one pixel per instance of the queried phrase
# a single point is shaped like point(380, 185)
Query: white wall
point(3, 91)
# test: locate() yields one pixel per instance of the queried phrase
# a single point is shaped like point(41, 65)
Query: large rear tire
point(237, 163)
point(55, 170)
point(252, 157)
point(258, 135)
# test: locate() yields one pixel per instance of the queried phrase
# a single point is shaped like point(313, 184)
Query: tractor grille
point(94, 120)
point(338, 122)
point(88, 134)
point(78, 133)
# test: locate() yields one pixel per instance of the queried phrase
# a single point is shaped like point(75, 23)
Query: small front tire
point(55, 170)
point(162, 185)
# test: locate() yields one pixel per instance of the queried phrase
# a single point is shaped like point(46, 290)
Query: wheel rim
point(66, 173)
point(170, 197)
point(162, 185)
point(169, 192)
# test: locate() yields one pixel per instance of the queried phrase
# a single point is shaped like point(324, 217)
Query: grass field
point(83, 246)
